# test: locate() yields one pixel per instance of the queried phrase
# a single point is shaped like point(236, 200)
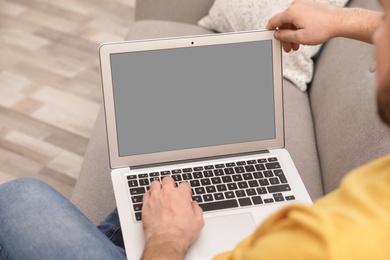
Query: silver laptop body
point(204, 109)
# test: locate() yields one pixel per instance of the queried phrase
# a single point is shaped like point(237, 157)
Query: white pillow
point(244, 15)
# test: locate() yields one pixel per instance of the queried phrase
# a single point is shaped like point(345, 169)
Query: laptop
point(204, 109)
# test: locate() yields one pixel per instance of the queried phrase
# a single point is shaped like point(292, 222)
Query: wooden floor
point(50, 90)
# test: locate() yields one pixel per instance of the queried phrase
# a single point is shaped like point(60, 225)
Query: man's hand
point(305, 22)
point(310, 23)
point(171, 220)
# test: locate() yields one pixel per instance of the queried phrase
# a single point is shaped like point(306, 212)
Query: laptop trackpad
point(221, 234)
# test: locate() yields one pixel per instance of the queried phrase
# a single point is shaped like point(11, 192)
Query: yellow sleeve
point(352, 222)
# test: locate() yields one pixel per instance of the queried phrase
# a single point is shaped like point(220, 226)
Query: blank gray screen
point(191, 97)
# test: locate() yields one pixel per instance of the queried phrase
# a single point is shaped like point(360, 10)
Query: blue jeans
point(36, 222)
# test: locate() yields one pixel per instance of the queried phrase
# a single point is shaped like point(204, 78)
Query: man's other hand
point(305, 22)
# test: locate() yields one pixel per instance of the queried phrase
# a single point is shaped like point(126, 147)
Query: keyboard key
point(195, 183)
point(258, 175)
point(133, 183)
point(226, 179)
point(273, 159)
point(137, 207)
point(154, 179)
point(143, 175)
point(250, 168)
point(262, 160)
point(263, 182)
point(257, 200)
point(274, 181)
point(237, 177)
point(209, 167)
point(198, 175)
point(278, 197)
point(219, 166)
point(251, 162)
point(187, 170)
point(242, 185)
point(211, 189)
point(279, 188)
point(269, 200)
point(268, 174)
point(260, 167)
point(198, 168)
point(208, 174)
point(144, 182)
point(239, 169)
point(208, 197)
point(251, 192)
point(216, 180)
point(229, 195)
point(261, 190)
point(137, 191)
point(187, 176)
point(200, 190)
point(229, 171)
point(197, 198)
point(230, 164)
point(177, 178)
point(219, 172)
point(290, 197)
point(218, 196)
point(205, 182)
point(240, 193)
point(225, 204)
point(232, 186)
point(131, 177)
point(241, 163)
point(221, 187)
point(138, 216)
point(271, 166)
point(280, 175)
point(138, 199)
point(253, 183)
point(247, 176)
point(155, 174)
point(174, 172)
point(245, 202)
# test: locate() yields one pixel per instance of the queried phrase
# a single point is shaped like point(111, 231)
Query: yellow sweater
point(352, 222)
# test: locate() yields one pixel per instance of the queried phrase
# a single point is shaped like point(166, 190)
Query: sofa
point(330, 129)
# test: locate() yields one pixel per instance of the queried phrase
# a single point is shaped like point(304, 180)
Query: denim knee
point(25, 190)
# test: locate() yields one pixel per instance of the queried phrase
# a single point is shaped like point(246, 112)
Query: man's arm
point(171, 220)
point(310, 23)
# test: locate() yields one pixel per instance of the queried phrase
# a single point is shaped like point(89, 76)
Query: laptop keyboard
point(221, 186)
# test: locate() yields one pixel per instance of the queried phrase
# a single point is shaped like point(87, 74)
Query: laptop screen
point(182, 98)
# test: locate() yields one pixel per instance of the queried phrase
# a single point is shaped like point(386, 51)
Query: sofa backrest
point(186, 11)
point(343, 99)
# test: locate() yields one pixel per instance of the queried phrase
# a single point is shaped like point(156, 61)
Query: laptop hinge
point(197, 160)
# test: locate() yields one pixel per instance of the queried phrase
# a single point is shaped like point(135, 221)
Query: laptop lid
point(192, 97)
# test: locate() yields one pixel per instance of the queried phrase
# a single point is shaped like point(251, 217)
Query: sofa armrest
point(172, 10)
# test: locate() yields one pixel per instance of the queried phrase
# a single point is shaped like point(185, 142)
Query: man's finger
point(288, 36)
point(295, 46)
point(168, 182)
point(185, 186)
point(197, 209)
point(287, 46)
point(155, 186)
